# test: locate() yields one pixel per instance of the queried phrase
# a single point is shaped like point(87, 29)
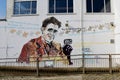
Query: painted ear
point(43, 29)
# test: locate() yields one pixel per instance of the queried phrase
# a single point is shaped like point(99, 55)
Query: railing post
point(83, 63)
point(110, 64)
point(37, 66)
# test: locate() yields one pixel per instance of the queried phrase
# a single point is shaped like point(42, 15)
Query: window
point(60, 6)
point(96, 6)
point(24, 7)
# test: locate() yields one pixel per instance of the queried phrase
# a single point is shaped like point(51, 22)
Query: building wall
point(117, 23)
point(96, 36)
point(10, 4)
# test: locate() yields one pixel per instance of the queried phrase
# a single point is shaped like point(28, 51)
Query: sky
point(2, 9)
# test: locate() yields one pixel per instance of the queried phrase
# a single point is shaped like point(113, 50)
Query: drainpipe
point(82, 36)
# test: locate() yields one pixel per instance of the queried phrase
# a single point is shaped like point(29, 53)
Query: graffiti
point(24, 33)
point(29, 29)
point(9, 47)
point(101, 27)
point(23, 29)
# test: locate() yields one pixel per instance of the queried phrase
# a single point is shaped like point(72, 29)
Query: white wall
point(20, 29)
point(117, 24)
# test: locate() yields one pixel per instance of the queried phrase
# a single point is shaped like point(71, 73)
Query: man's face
point(49, 32)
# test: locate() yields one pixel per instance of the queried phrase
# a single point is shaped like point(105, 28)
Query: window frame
point(30, 10)
point(55, 8)
point(105, 9)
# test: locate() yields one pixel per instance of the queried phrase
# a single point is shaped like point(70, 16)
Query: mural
point(67, 48)
point(45, 45)
point(55, 41)
point(23, 29)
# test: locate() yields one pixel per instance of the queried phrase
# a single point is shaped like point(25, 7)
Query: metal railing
point(92, 63)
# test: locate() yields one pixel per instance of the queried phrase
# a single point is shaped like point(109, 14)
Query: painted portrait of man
point(44, 44)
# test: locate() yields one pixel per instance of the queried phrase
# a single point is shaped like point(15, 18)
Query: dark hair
point(51, 20)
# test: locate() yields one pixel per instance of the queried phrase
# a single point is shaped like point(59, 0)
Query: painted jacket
point(37, 47)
